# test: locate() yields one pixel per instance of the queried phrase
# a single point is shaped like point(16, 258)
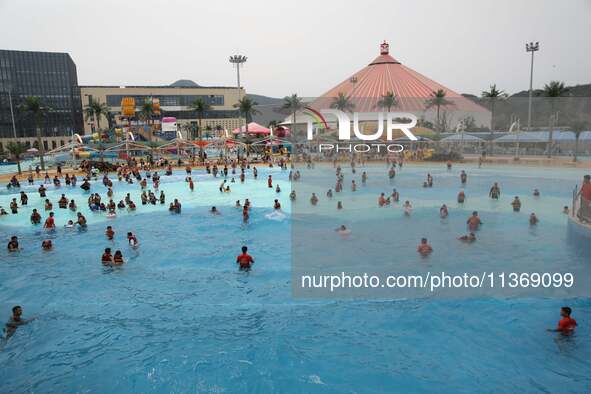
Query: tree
point(292, 104)
point(95, 110)
point(219, 129)
point(437, 99)
point(388, 101)
point(33, 106)
point(342, 102)
point(492, 95)
point(553, 90)
point(16, 149)
point(200, 106)
point(247, 108)
point(578, 127)
point(146, 112)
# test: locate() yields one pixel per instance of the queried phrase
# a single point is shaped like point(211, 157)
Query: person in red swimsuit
point(567, 324)
point(49, 222)
point(270, 182)
point(244, 260)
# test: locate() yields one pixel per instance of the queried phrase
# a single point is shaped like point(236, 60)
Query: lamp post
point(238, 61)
point(531, 47)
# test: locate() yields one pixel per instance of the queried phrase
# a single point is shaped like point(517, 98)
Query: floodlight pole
point(238, 61)
point(531, 47)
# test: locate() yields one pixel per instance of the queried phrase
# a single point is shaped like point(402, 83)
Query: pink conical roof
point(386, 74)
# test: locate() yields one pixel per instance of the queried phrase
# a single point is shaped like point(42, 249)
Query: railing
point(581, 208)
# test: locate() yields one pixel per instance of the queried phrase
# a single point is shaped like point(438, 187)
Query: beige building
point(175, 101)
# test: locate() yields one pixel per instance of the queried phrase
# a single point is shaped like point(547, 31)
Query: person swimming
point(474, 221)
point(13, 244)
point(107, 258)
point(382, 200)
point(468, 238)
point(244, 260)
point(516, 204)
point(69, 224)
point(565, 210)
point(81, 220)
point(566, 325)
point(132, 240)
point(443, 212)
point(339, 205)
point(35, 217)
point(536, 193)
point(292, 195)
point(46, 244)
point(49, 222)
point(461, 197)
point(16, 320)
point(314, 199)
point(214, 211)
point(407, 208)
point(276, 204)
point(277, 189)
point(110, 233)
point(245, 214)
point(343, 230)
point(533, 219)
point(395, 195)
point(118, 258)
point(495, 191)
point(424, 248)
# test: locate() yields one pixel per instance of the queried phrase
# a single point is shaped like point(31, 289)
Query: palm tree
point(293, 104)
point(438, 100)
point(492, 95)
point(208, 130)
point(578, 127)
point(553, 90)
point(388, 101)
point(246, 107)
point(16, 149)
point(33, 106)
point(200, 106)
point(95, 110)
point(342, 102)
point(146, 113)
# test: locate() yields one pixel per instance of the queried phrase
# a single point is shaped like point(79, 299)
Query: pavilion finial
point(384, 48)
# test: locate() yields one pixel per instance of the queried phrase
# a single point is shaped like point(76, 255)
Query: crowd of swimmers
point(132, 174)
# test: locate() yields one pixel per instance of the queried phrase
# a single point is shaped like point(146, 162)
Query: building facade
point(175, 101)
point(50, 76)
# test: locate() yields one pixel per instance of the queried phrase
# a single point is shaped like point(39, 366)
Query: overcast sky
point(303, 46)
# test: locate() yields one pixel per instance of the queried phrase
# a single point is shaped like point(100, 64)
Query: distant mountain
point(269, 108)
point(265, 100)
point(184, 83)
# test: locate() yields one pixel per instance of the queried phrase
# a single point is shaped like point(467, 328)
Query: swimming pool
point(179, 317)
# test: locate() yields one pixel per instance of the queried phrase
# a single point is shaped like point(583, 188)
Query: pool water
point(179, 316)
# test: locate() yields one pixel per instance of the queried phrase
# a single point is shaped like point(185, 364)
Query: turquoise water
point(179, 316)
